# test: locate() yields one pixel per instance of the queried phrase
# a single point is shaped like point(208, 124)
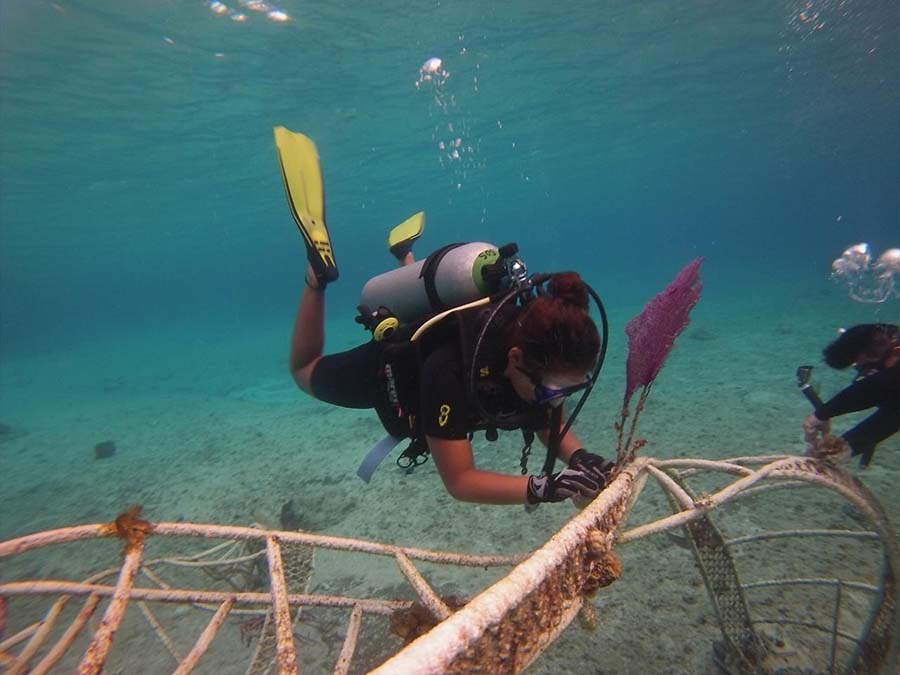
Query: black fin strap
point(319, 280)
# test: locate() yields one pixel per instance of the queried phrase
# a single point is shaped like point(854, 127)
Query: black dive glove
point(561, 485)
point(593, 465)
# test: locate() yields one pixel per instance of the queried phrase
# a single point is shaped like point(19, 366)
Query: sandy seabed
point(208, 427)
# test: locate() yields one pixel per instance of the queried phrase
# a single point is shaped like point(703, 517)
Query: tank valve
point(515, 270)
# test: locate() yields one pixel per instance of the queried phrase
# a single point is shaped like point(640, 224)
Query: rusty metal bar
point(281, 610)
point(98, 650)
point(346, 658)
point(426, 593)
point(65, 641)
point(205, 640)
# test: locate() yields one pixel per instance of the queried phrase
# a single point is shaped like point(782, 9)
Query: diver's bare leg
point(308, 338)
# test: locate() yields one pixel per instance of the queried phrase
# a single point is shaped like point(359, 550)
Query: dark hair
point(555, 331)
point(866, 340)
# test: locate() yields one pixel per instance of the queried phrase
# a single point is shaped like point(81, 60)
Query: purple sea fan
point(652, 333)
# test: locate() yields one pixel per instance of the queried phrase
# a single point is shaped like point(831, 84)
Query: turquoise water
point(150, 270)
point(140, 185)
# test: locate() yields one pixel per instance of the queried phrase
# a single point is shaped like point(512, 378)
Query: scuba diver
point(463, 341)
point(873, 349)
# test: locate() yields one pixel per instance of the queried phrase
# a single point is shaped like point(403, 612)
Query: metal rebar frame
point(502, 629)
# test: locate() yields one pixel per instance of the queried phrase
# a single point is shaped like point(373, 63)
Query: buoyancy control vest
point(466, 289)
point(400, 375)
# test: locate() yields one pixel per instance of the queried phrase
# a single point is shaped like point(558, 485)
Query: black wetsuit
point(446, 410)
point(354, 379)
point(879, 388)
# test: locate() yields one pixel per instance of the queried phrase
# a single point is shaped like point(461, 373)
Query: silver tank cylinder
point(457, 280)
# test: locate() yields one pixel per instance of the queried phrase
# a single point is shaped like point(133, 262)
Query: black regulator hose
point(472, 386)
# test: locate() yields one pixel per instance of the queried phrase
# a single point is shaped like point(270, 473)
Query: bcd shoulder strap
point(398, 376)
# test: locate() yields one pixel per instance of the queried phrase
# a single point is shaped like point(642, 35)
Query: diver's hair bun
point(554, 331)
point(568, 288)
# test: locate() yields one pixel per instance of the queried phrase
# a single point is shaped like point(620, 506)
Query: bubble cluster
point(237, 15)
point(809, 15)
point(432, 71)
point(867, 281)
point(456, 151)
point(812, 29)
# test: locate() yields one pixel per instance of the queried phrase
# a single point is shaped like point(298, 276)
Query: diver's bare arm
point(463, 481)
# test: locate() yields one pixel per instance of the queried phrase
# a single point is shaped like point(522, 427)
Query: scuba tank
point(450, 277)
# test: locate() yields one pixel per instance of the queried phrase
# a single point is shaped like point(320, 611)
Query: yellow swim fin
point(402, 237)
point(306, 197)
